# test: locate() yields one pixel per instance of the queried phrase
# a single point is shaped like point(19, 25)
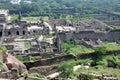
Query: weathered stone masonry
point(113, 35)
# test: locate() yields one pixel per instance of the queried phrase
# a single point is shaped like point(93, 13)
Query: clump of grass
point(1, 63)
point(36, 75)
point(2, 48)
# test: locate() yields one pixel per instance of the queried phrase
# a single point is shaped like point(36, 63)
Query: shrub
point(89, 77)
point(100, 51)
point(85, 77)
point(66, 69)
point(32, 59)
point(1, 63)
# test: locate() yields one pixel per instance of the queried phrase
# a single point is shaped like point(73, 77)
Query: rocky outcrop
point(12, 68)
point(12, 62)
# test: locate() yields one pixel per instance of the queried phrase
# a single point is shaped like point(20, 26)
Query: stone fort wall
point(113, 35)
point(113, 23)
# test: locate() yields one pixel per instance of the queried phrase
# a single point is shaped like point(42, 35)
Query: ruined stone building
point(88, 38)
point(22, 28)
point(15, 30)
point(91, 26)
point(62, 25)
point(26, 29)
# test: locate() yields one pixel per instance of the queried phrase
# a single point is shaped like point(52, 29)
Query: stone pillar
point(58, 44)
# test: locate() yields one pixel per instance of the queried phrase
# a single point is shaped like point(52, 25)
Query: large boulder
point(10, 67)
point(12, 62)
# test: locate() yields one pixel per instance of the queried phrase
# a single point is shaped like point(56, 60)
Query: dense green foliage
point(100, 51)
point(102, 66)
point(41, 7)
point(69, 47)
point(66, 69)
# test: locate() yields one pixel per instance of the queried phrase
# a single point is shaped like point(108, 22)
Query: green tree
point(100, 51)
point(66, 70)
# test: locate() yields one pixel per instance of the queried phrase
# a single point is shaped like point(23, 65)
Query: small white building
point(65, 29)
point(15, 1)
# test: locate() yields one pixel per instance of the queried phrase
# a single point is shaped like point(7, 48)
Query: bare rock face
point(12, 62)
point(12, 68)
point(5, 67)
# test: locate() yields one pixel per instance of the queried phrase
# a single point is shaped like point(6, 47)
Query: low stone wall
point(113, 23)
point(64, 58)
point(49, 61)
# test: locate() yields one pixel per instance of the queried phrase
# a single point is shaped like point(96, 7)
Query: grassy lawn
point(79, 49)
point(111, 46)
point(31, 18)
point(34, 18)
point(69, 47)
point(13, 17)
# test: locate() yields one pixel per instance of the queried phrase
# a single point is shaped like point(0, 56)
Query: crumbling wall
point(113, 35)
point(16, 32)
point(111, 23)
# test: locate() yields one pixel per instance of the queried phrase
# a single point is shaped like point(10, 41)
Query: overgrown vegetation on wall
point(69, 47)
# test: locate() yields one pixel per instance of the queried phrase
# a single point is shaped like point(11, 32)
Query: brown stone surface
point(12, 68)
point(12, 62)
point(5, 67)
